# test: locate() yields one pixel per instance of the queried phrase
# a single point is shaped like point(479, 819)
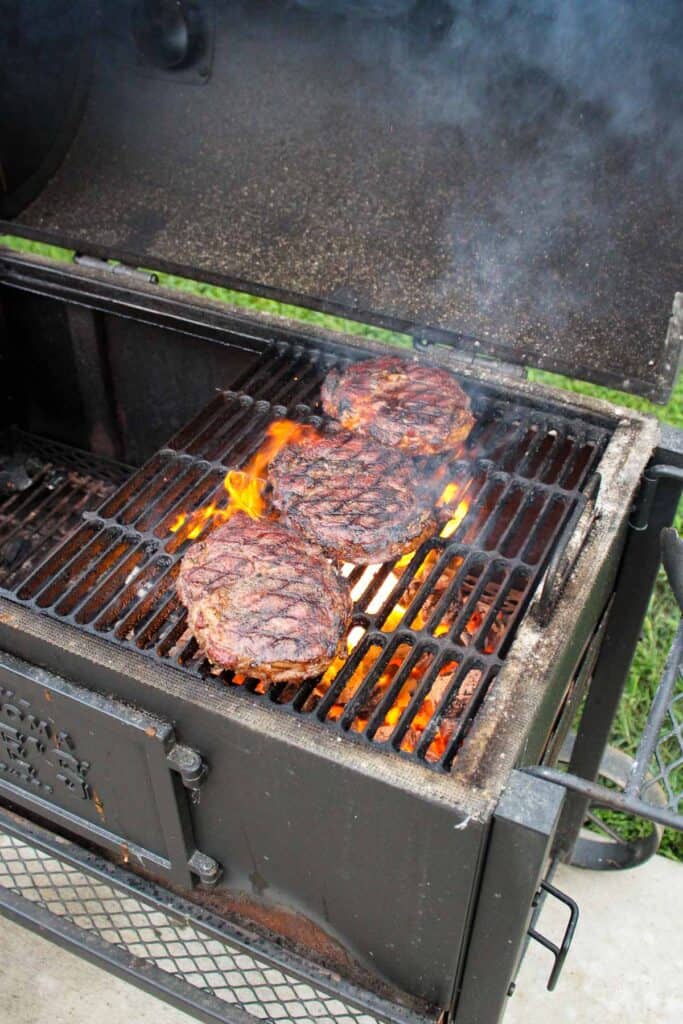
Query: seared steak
point(360, 501)
point(264, 601)
point(421, 409)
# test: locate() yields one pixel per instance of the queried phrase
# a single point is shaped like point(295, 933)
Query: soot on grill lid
point(490, 171)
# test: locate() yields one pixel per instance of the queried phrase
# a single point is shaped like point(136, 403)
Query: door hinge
point(468, 359)
point(120, 269)
point(190, 766)
point(207, 870)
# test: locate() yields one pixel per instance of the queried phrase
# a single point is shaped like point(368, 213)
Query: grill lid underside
point(511, 176)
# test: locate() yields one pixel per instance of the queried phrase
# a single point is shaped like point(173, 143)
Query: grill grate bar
point(219, 432)
point(116, 550)
point(434, 629)
point(360, 698)
point(468, 607)
point(64, 483)
point(50, 506)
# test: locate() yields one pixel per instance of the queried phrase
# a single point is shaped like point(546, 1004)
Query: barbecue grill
point(375, 843)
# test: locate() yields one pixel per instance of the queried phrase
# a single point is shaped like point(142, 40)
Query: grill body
point(366, 859)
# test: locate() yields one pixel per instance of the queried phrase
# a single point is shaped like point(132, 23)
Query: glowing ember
point(417, 702)
point(244, 487)
point(453, 524)
point(383, 593)
point(354, 637)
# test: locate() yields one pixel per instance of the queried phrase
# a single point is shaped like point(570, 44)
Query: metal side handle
point(559, 952)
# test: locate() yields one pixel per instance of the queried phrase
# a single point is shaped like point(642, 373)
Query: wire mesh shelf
point(170, 949)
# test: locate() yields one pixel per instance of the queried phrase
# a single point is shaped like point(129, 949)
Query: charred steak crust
point(360, 501)
point(419, 408)
point(264, 601)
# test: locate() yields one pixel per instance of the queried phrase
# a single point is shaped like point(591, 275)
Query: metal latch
point(120, 269)
point(559, 952)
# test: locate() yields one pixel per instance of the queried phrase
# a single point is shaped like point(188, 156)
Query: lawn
point(663, 614)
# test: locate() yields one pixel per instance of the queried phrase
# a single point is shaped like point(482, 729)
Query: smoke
point(570, 111)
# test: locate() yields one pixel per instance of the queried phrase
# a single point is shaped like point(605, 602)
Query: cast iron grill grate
point(429, 632)
point(44, 489)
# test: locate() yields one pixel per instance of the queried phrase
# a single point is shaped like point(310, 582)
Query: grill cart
point(375, 843)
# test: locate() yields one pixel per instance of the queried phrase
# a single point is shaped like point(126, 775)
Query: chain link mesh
point(667, 761)
point(225, 971)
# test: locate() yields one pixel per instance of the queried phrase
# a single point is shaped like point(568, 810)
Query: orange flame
point(456, 519)
point(245, 487)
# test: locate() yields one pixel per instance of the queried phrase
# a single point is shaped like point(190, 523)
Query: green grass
point(663, 614)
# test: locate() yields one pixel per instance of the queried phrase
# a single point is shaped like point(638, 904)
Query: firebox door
point(102, 770)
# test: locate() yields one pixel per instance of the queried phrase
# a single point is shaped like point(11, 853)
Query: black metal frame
point(523, 827)
point(632, 801)
point(653, 512)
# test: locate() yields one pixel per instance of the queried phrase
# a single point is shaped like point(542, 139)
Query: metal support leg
point(523, 826)
point(634, 585)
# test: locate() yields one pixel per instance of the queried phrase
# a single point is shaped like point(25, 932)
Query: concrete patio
point(626, 964)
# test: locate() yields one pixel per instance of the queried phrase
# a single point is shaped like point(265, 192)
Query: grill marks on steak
point(418, 408)
point(264, 601)
point(262, 598)
point(360, 501)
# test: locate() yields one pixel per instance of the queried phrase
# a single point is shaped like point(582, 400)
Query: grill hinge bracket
point(120, 269)
point(468, 359)
point(189, 765)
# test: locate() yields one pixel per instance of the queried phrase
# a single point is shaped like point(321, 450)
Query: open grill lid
point(457, 170)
